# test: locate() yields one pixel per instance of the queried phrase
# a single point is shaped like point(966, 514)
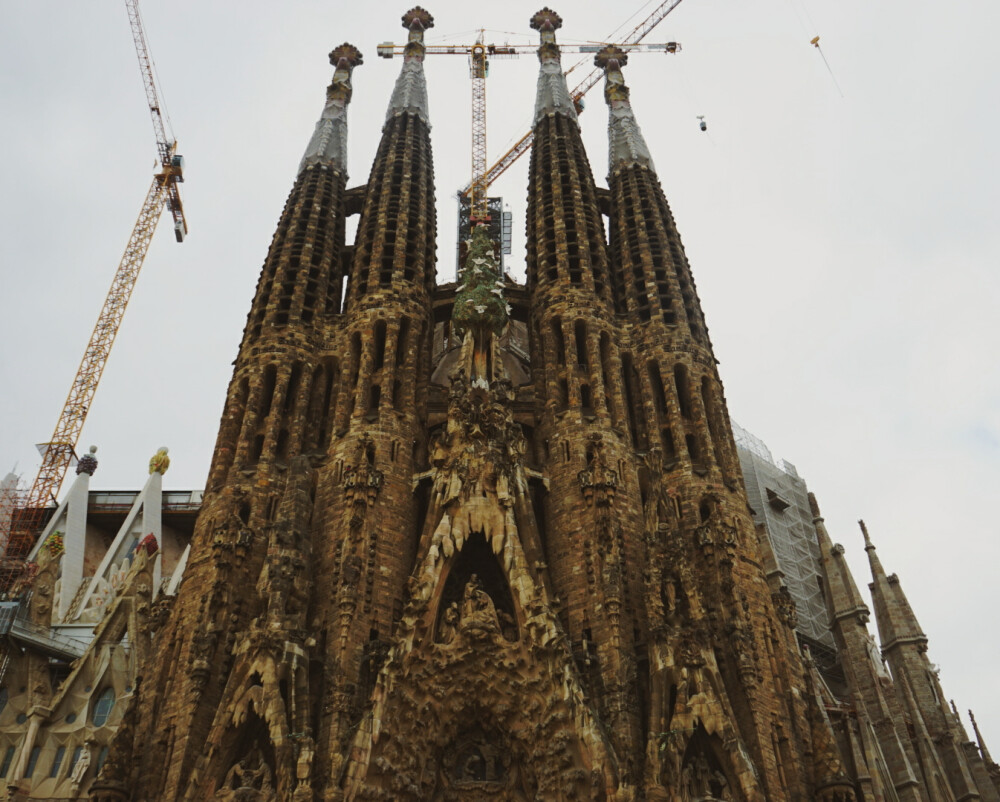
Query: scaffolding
point(780, 501)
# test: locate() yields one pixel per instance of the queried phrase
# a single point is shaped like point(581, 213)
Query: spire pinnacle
point(553, 95)
point(982, 744)
point(868, 540)
point(626, 145)
point(410, 93)
point(896, 622)
point(329, 141)
point(843, 598)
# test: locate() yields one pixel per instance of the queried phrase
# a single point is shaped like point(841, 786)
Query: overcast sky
point(841, 229)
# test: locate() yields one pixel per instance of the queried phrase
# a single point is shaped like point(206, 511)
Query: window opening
point(105, 703)
point(57, 761)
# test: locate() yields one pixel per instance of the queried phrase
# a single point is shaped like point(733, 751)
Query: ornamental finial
point(418, 17)
point(159, 462)
point(87, 463)
point(546, 20)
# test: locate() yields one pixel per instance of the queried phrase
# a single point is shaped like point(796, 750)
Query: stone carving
point(478, 612)
point(477, 764)
point(159, 462)
point(362, 482)
point(249, 780)
point(699, 781)
point(784, 604)
point(87, 463)
point(82, 764)
point(598, 482)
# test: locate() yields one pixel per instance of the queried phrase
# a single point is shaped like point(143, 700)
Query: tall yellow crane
point(523, 145)
point(479, 54)
point(28, 510)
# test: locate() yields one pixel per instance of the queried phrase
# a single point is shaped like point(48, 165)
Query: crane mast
point(479, 54)
point(636, 35)
point(28, 511)
point(478, 66)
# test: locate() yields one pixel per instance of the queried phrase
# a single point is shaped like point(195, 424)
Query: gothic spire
point(982, 744)
point(395, 240)
point(843, 597)
point(329, 141)
point(626, 145)
point(896, 622)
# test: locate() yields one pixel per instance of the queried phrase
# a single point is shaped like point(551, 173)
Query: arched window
point(105, 702)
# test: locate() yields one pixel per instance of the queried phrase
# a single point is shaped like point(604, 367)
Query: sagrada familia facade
point(482, 541)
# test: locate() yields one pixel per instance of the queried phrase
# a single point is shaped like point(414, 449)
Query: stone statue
point(251, 772)
point(159, 462)
point(82, 764)
point(477, 607)
point(449, 624)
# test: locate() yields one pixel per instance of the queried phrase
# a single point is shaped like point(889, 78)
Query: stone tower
point(478, 541)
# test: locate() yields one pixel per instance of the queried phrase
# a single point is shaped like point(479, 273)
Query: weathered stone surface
point(482, 541)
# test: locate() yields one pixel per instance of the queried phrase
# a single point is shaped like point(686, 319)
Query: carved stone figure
point(249, 780)
point(478, 610)
point(159, 462)
point(82, 764)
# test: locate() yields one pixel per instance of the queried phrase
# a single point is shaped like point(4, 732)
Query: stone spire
point(329, 141)
point(986, 771)
point(867, 677)
point(626, 145)
point(553, 95)
point(410, 92)
point(979, 737)
point(396, 233)
point(843, 597)
point(896, 622)
point(904, 646)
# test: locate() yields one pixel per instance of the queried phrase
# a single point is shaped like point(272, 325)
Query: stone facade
point(484, 541)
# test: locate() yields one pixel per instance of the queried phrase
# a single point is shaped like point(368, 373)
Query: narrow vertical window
point(401, 344)
point(8, 757)
point(355, 358)
point(32, 761)
point(57, 761)
point(293, 386)
point(102, 710)
point(267, 395)
point(659, 393)
point(630, 382)
point(683, 390)
point(606, 374)
point(374, 398)
point(379, 357)
point(580, 335)
point(559, 342)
